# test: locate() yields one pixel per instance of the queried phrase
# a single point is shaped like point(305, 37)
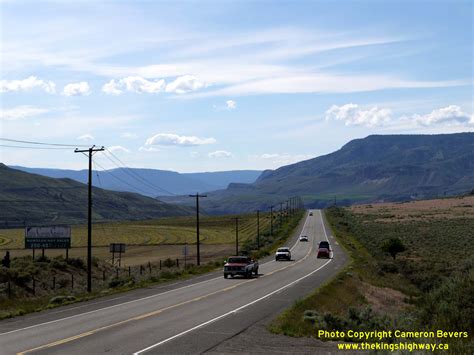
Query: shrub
point(42, 259)
point(59, 263)
point(62, 299)
point(77, 263)
point(169, 263)
point(393, 246)
point(388, 267)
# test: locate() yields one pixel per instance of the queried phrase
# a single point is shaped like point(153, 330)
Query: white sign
point(48, 232)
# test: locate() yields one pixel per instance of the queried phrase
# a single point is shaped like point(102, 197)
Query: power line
point(134, 174)
point(120, 179)
point(42, 143)
point(18, 146)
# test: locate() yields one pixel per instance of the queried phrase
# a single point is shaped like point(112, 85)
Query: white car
point(303, 238)
point(283, 253)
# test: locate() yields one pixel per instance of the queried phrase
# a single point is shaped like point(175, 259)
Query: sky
point(227, 85)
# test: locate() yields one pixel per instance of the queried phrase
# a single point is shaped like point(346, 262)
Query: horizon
point(178, 88)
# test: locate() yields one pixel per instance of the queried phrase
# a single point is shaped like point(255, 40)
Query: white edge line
point(237, 309)
point(125, 303)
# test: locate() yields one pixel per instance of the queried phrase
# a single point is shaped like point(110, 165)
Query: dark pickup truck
point(240, 265)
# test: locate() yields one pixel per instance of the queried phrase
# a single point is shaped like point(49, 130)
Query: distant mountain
point(34, 199)
point(379, 167)
point(152, 182)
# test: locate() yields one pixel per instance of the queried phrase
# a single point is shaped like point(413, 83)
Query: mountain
point(152, 182)
point(34, 199)
point(376, 168)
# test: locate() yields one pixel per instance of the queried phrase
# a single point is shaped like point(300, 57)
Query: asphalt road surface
point(192, 316)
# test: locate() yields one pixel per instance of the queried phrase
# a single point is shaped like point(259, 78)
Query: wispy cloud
point(21, 112)
point(220, 154)
point(170, 139)
point(86, 137)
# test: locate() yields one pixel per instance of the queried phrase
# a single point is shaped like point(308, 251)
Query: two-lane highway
point(190, 317)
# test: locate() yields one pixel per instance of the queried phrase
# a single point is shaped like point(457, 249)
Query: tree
point(393, 246)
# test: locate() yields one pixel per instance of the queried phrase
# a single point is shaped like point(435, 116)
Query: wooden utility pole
point(197, 226)
point(258, 229)
point(236, 236)
point(90, 152)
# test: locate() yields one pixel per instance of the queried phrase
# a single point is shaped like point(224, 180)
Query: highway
point(191, 316)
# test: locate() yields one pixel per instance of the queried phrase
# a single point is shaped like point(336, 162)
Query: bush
point(166, 275)
point(59, 263)
point(42, 259)
point(62, 299)
point(169, 263)
point(393, 246)
point(119, 282)
point(77, 263)
point(388, 267)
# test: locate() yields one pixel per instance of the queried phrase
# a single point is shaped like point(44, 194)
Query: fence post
point(141, 269)
point(54, 282)
point(72, 281)
point(149, 267)
point(103, 275)
point(34, 287)
point(116, 272)
point(177, 263)
point(129, 271)
point(160, 264)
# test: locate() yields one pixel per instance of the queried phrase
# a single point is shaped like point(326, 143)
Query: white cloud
point(21, 112)
point(174, 139)
point(451, 114)
point(112, 88)
point(280, 159)
point(231, 104)
point(184, 84)
point(77, 89)
point(220, 154)
point(129, 135)
point(148, 149)
point(86, 137)
point(118, 148)
point(135, 84)
point(194, 154)
point(353, 115)
point(27, 85)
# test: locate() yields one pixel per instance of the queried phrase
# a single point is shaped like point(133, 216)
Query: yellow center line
point(156, 312)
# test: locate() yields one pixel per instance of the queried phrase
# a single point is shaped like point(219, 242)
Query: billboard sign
point(117, 248)
point(50, 237)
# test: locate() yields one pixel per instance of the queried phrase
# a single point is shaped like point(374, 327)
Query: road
point(192, 316)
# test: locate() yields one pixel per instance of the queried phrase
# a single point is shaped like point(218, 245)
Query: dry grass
point(449, 208)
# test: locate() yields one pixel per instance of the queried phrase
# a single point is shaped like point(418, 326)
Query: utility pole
point(197, 226)
point(271, 220)
point(236, 236)
point(281, 213)
point(258, 229)
point(90, 152)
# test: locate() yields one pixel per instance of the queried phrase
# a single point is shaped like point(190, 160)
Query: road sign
point(50, 237)
point(117, 248)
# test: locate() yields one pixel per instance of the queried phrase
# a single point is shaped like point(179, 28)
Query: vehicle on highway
point(303, 238)
point(283, 253)
point(240, 265)
point(324, 250)
point(311, 213)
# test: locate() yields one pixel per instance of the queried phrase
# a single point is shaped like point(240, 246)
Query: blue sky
point(220, 85)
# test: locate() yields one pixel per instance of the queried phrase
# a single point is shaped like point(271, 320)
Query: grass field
point(179, 230)
point(429, 286)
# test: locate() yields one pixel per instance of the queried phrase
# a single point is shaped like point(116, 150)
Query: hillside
point(33, 199)
point(156, 182)
point(378, 167)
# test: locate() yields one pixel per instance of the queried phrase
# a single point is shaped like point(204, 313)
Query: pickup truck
point(240, 265)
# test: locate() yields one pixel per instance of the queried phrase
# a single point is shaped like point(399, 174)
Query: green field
point(176, 230)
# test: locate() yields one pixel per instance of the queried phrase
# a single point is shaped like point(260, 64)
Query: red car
point(324, 250)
